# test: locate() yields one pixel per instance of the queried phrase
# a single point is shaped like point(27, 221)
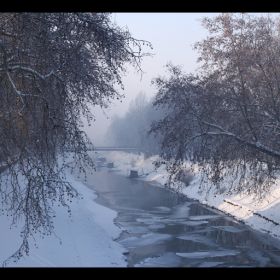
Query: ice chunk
point(204, 217)
point(147, 239)
point(149, 221)
point(166, 260)
point(132, 209)
point(197, 238)
point(156, 226)
point(194, 223)
point(209, 264)
point(208, 254)
point(163, 208)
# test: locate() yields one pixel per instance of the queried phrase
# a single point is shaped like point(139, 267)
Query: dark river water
point(164, 229)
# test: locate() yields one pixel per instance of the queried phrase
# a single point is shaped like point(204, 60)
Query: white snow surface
point(262, 215)
point(86, 239)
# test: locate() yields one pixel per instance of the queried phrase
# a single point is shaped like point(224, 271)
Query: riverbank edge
point(263, 216)
point(86, 238)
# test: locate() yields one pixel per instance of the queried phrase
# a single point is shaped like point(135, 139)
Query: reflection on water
point(161, 228)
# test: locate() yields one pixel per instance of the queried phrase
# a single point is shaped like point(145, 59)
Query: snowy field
point(261, 215)
point(84, 240)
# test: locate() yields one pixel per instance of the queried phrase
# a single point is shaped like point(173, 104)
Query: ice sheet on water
point(194, 223)
point(174, 221)
point(208, 254)
point(127, 224)
point(146, 239)
point(129, 240)
point(229, 228)
point(149, 220)
point(203, 217)
point(170, 222)
point(209, 264)
point(136, 229)
point(166, 260)
point(162, 208)
point(156, 226)
point(146, 214)
point(132, 209)
point(198, 239)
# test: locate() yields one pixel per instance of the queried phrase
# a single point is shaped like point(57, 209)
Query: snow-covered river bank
point(165, 229)
point(260, 215)
point(178, 234)
point(86, 239)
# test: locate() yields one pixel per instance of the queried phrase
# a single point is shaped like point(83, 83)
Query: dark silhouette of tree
point(226, 119)
point(53, 66)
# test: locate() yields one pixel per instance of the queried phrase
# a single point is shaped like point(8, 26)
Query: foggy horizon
point(172, 36)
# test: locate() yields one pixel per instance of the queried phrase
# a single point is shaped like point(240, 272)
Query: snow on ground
point(83, 240)
point(261, 215)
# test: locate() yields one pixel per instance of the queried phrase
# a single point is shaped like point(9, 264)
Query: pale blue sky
point(172, 36)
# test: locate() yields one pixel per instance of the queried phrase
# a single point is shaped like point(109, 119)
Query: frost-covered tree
point(53, 66)
point(227, 118)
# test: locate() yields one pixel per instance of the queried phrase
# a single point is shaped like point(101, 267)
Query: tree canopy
point(53, 66)
point(226, 117)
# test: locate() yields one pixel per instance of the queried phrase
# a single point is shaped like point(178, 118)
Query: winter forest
point(187, 175)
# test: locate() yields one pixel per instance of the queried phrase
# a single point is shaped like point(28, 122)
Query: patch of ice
point(209, 264)
point(163, 208)
point(166, 260)
point(132, 209)
point(149, 221)
point(171, 221)
point(208, 254)
point(197, 238)
point(194, 223)
point(203, 217)
point(144, 240)
point(136, 229)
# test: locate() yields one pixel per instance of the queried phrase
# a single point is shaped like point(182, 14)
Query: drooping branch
point(226, 118)
point(53, 67)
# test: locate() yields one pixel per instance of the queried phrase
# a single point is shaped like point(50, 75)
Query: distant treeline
point(132, 130)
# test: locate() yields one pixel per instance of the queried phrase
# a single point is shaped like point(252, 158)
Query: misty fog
point(172, 36)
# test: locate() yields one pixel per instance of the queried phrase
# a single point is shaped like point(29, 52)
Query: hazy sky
point(172, 36)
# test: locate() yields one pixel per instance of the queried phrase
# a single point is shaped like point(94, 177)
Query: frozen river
point(161, 228)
